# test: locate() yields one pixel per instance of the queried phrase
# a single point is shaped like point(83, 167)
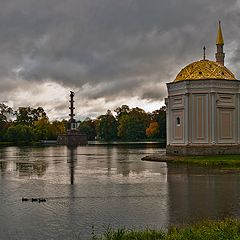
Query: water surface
point(99, 185)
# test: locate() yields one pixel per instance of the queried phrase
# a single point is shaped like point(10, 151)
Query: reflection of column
point(123, 167)
point(71, 160)
point(109, 160)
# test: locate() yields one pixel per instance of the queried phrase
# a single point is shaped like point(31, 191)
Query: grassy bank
point(228, 229)
point(228, 161)
point(217, 161)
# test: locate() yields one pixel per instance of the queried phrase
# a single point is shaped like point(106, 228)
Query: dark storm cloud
point(109, 48)
point(154, 92)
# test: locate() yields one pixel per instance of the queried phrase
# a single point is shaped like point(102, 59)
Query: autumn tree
point(153, 130)
point(159, 116)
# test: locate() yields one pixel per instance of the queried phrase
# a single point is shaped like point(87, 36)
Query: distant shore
point(161, 142)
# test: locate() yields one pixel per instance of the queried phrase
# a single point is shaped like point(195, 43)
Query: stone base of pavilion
point(72, 138)
point(202, 150)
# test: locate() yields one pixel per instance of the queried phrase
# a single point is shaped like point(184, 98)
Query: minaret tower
point(219, 42)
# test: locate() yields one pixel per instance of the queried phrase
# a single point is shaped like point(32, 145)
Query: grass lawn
point(229, 161)
point(228, 229)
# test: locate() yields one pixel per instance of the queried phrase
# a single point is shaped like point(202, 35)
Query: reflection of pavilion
point(195, 195)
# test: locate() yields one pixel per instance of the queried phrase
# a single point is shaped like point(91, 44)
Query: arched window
point(178, 121)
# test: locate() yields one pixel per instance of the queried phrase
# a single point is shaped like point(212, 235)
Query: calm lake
point(100, 185)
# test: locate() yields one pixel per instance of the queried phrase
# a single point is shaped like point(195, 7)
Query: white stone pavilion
point(203, 108)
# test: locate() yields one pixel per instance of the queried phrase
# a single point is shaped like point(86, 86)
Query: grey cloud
point(154, 92)
point(110, 48)
point(122, 87)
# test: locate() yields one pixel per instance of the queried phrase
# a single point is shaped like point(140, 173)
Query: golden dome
point(204, 69)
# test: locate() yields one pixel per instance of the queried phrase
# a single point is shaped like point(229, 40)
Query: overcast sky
point(110, 52)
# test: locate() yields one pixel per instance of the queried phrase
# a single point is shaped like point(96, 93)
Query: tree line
point(29, 124)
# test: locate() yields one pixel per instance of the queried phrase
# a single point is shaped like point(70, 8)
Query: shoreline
point(159, 157)
point(217, 161)
point(43, 143)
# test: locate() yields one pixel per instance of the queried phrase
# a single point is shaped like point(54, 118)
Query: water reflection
point(37, 168)
point(3, 166)
point(196, 194)
point(22, 162)
point(109, 160)
point(72, 157)
point(97, 185)
point(124, 164)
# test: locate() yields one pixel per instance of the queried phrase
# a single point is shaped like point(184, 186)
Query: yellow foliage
point(152, 130)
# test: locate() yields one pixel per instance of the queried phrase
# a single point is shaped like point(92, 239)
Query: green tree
point(42, 129)
point(60, 126)
point(120, 111)
point(88, 127)
point(5, 112)
point(107, 127)
point(27, 115)
point(132, 124)
point(45, 130)
point(20, 133)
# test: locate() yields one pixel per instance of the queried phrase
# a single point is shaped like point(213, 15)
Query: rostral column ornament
point(71, 106)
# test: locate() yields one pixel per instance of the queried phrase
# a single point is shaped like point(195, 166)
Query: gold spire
point(219, 40)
